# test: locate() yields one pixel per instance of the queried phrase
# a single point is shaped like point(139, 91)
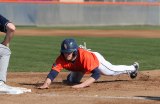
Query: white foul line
point(94, 96)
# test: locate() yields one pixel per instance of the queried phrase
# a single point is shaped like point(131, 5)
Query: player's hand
point(46, 84)
point(43, 87)
point(78, 86)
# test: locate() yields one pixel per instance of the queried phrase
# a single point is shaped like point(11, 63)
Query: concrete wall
point(80, 14)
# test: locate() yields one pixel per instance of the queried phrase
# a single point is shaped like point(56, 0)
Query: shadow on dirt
point(150, 97)
point(66, 83)
point(41, 83)
point(111, 81)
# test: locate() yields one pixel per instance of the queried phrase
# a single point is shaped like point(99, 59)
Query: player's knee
point(71, 79)
point(8, 52)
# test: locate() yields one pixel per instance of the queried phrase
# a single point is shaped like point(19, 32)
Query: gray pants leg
point(4, 61)
point(75, 77)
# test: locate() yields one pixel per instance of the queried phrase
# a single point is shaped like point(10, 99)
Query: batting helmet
point(68, 46)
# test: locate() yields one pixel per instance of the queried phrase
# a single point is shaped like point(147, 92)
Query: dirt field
point(145, 89)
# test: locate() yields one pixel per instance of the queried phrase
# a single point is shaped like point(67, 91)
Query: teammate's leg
point(107, 68)
point(75, 77)
point(4, 61)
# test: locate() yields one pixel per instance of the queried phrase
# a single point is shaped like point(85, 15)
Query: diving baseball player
point(8, 28)
point(81, 61)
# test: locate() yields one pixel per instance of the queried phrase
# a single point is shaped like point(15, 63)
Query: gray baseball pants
point(4, 61)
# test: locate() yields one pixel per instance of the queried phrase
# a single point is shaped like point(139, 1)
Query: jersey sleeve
point(58, 64)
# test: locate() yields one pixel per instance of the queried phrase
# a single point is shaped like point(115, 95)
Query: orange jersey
point(85, 62)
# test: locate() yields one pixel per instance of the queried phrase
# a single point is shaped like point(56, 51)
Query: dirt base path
point(106, 33)
point(145, 89)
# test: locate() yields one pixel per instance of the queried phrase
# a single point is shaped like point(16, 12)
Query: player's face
point(68, 56)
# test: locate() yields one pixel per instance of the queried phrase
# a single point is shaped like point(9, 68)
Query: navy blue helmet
point(68, 46)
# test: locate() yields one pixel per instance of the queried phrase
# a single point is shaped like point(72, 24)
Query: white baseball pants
point(4, 61)
point(105, 67)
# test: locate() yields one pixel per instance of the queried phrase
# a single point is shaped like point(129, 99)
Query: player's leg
point(108, 69)
point(75, 77)
point(4, 61)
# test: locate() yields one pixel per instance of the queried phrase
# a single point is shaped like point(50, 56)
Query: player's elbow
point(11, 27)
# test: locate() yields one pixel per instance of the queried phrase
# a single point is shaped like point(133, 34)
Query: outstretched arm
point(49, 79)
point(95, 75)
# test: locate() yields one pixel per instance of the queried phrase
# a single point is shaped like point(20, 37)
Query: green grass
point(130, 27)
point(37, 54)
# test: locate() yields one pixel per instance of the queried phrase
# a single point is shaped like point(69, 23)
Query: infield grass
point(37, 54)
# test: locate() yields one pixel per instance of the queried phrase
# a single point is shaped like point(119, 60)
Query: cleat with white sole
point(134, 73)
point(5, 89)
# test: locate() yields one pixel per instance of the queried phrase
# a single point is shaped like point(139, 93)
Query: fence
point(81, 14)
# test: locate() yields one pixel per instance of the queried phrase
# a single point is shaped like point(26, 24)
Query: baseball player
point(81, 61)
point(8, 28)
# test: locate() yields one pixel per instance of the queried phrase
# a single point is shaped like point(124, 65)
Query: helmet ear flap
point(75, 53)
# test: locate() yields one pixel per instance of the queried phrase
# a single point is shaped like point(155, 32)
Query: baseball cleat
point(134, 73)
point(5, 89)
